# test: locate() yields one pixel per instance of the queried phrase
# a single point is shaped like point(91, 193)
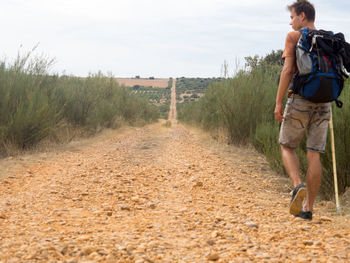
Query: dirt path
point(158, 194)
point(172, 112)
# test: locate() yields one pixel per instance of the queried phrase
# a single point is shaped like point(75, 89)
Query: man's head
point(302, 14)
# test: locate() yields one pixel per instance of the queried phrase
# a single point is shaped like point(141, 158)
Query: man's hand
point(279, 112)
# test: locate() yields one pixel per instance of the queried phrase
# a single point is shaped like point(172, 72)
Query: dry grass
point(155, 83)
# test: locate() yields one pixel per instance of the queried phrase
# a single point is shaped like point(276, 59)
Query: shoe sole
point(297, 203)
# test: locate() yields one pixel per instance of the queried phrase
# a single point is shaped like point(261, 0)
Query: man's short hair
point(304, 6)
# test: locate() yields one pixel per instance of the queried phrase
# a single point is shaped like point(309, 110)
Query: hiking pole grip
point(334, 161)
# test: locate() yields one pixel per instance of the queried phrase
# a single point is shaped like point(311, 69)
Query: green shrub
point(34, 103)
point(244, 106)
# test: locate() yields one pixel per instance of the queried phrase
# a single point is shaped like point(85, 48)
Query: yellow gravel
point(157, 194)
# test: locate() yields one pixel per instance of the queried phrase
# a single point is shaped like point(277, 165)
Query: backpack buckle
point(314, 39)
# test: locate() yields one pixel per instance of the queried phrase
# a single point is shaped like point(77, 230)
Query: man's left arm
point(285, 79)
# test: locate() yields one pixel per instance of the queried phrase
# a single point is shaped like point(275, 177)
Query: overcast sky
point(161, 38)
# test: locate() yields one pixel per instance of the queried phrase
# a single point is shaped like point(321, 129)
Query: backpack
point(319, 59)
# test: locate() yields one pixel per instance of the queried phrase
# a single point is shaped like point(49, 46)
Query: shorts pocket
point(299, 115)
point(322, 117)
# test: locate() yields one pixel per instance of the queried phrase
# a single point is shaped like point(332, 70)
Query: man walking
point(300, 116)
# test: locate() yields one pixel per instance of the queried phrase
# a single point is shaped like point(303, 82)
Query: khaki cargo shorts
point(300, 116)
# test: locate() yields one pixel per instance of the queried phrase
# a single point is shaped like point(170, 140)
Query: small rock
point(94, 255)
point(125, 207)
point(109, 213)
point(219, 219)
point(198, 184)
point(183, 209)
point(88, 250)
point(326, 219)
point(153, 244)
point(338, 235)
point(210, 242)
point(152, 206)
point(109, 193)
point(63, 250)
point(3, 216)
point(31, 256)
point(141, 247)
point(252, 225)
point(122, 248)
point(213, 257)
point(214, 234)
point(98, 212)
point(130, 247)
point(135, 199)
point(148, 259)
point(308, 242)
point(111, 259)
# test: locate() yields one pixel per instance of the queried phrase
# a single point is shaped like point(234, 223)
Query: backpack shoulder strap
point(303, 42)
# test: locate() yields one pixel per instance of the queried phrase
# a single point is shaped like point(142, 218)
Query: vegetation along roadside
point(243, 106)
point(36, 105)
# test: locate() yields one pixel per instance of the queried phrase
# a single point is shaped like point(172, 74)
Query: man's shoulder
point(293, 36)
point(291, 41)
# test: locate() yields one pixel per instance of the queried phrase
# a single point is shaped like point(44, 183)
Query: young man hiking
point(300, 116)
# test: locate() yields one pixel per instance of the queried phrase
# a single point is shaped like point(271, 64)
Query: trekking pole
point(334, 162)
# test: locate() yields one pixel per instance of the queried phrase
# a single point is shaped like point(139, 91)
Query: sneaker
point(298, 196)
point(307, 215)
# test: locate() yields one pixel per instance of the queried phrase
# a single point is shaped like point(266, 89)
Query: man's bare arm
point(286, 77)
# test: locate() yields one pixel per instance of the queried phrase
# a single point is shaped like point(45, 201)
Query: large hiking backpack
point(320, 64)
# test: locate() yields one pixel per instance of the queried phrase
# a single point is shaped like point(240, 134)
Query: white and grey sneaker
point(296, 204)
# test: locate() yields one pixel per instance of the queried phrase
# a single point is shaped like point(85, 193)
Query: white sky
point(160, 38)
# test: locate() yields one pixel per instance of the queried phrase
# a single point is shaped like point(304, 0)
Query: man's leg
point(296, 118)
point(313, 179)
point(291, 163)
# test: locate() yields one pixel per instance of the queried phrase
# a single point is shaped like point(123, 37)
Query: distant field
point(155, 83)
point(191, 89)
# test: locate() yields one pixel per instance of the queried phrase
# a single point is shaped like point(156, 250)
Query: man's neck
point(310, 25)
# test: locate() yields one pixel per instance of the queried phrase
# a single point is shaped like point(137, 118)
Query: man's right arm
point(286, 77)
